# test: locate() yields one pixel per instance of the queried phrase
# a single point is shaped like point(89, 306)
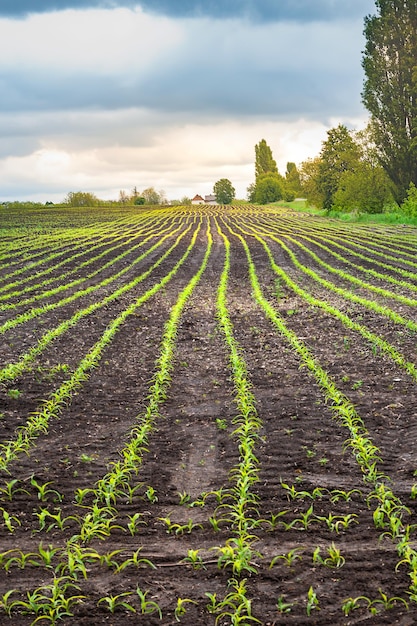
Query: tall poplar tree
point(264, 161)
point(390, 88)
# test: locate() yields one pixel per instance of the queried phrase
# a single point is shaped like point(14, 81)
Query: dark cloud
point(256, 10)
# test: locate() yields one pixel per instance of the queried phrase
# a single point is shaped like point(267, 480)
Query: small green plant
point(14, 394)
point(282, 606)
point(44, 491)
point(87, 458)
point(221, 424)
point(309, 453)
point(150, 493)
point(184, 497)
point(147, 607)
point(312, 601)
point(334, 558)
point(134, 522)
point(116, 602)
point(180, 609)
point(195, 559)
point(357, 385)
point(289, 558)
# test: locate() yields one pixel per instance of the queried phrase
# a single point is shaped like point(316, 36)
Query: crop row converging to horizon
point(205, 413)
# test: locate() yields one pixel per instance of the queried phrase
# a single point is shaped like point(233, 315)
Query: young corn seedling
point(135, 561)
point(11, 489)
point(44, 492)
point(135, 521)
point(283, 607)
point(194, 559)
point(11, 522)
point(117, 602)
point(180, 608)
point(147, 607)
point(288, 558)
point(312, 601)
point(334, 558)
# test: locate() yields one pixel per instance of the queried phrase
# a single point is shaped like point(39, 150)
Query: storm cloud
point(258, 10)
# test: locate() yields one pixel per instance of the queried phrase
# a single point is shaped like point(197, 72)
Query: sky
point(107, 95)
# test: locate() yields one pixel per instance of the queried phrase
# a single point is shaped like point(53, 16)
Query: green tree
point(309, 176)
point(339, 154)
point(264, 161)
point(81, 198)
point(292, 177)
point(224, 191)
point(390, 89)
point(151, 196)
point(367, 189)
point(268, 188)
point(409, 206)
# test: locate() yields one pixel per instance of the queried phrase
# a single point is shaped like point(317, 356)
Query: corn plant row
point(356, 240)
point(38, 311)
point(238, 552)
point(13, 370)
point(116, 481)
point(345, 294)
point(72, 561)
point(39, 420)
point(123, 241)
point(375, 340)
point(315, 237)
point(160, 236)
point(389, 511)
point(85, 239)
point(346, 276)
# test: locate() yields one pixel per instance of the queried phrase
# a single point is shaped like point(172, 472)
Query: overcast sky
point(105, 95)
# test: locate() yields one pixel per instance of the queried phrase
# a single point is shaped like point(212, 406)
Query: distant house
point(197, 200)
point(210, 199)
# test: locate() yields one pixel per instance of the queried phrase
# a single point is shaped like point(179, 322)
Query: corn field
point(208, 416)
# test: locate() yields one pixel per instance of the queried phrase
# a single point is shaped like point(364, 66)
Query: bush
point(409, 206)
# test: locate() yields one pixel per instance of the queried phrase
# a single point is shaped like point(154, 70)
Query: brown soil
point(194, 450)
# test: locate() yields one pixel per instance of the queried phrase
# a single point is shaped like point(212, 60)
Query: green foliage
point(151, 196)
point(366, 189)
point(292, 177)
point(81, 199)
point(390, 88)
point(139, 201)
point(339, 154)
point(264, 161)
point(309, 176)
point(409, 206)
point(224, 191)
point(268, 188)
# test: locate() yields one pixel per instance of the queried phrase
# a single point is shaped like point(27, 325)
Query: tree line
point(376, 169)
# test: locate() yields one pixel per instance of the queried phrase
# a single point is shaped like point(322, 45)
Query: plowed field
point(208, 415)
